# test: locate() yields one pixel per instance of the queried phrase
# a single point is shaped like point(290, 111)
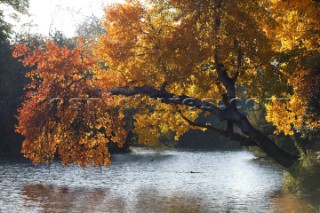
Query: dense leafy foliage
point(167, 48)
point(298, 57)
point(61, 113)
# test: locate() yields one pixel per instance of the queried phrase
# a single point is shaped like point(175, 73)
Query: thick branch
point(170, 98)
point(244, 141)
point(225, 79)
point(229, 114)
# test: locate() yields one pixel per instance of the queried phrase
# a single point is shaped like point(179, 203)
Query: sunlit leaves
point(175, 41)
point(297, 111)
point(62, 113)
point(69, 112)
point(298, 64)
point(299, 23)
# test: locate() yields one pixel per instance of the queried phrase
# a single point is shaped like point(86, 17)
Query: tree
point(12, 81)
point(221, 54)
point(55, 116)
point(19, 6)
point(90, 28)
point(172, 60)
point(11, 78)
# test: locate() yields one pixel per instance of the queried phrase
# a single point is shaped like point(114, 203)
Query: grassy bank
point(303, 178)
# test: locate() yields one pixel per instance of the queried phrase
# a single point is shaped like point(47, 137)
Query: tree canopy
point(173, 60)
point(19, 6)
point(298, 57)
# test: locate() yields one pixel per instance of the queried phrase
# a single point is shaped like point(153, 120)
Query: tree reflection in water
point(49, 198)
point(285, 202)
point(151, 182)
point(150, 200)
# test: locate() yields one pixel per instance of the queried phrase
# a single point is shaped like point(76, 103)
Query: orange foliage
point(166, 41)
point(63, 114)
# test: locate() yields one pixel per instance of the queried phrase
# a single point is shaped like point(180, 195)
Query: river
point(149, 181)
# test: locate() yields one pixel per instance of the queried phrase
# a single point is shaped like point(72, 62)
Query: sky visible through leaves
point(62, 15)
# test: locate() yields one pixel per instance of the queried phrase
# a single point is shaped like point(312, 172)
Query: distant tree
point(20, 6)
point(90, 28)
point(11, 80)
point(61, 40)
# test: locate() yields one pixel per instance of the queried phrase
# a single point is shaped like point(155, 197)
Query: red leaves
point(55, 117)
point(20, 50)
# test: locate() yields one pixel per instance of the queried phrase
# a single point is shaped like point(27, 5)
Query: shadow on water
point(138, 158)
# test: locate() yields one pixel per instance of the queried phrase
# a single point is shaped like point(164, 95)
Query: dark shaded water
point(146, 181)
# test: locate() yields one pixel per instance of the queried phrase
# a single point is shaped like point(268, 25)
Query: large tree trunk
point(265, 143)
point(229, 114)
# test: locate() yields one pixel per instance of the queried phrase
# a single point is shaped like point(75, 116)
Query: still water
point(148, 181)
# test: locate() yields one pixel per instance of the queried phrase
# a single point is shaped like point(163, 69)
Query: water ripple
point(147, 181)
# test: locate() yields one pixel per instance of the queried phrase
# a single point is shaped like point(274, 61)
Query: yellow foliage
point(178, 42)
point(290, 115)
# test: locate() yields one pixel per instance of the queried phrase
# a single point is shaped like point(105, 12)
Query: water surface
point(148, 181)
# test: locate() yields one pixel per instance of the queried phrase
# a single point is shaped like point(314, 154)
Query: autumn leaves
point(177, 42)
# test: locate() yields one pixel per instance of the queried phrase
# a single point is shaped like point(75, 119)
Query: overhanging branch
point(229, 114)
point(244, 141)
point(170, 98)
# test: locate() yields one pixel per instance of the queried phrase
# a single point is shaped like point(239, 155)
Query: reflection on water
point(145, 181)
point(284, 202)
point(50, 198)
